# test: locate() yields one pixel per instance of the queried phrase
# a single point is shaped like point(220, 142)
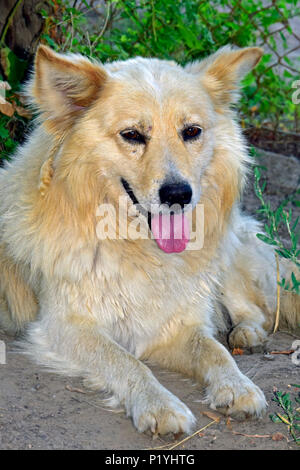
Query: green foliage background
point(189, 30)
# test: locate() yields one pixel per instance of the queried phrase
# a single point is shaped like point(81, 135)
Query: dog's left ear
point(62, 86)
point(222, 72)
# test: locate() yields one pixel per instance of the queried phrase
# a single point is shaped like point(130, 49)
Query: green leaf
point(295, 224)
point(266, 239)
point(284, 253)
point(14, 68)
point(275, 418)
point(4, 133)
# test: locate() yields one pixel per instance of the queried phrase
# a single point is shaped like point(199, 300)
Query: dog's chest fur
point(136, 300)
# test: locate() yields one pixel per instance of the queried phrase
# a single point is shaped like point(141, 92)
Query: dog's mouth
point(170, 231)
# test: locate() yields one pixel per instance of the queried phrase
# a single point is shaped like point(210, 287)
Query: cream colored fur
point(95, 308)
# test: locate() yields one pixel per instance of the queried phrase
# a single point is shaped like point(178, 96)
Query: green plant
point(189, 30)
point(13, 116)
point(7, 144)
point(277, 220)
point(290, 416)
point(14, 121)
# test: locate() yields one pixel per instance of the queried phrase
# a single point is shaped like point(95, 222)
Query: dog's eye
point(133, 136)
point(191, 132)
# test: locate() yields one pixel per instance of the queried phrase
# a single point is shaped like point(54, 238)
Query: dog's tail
point(289, 300)
point(18, 304)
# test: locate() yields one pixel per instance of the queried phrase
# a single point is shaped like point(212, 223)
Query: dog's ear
point(63, 86)
point(222, 72)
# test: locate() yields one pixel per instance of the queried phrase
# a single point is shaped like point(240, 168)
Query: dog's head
point(157, 132)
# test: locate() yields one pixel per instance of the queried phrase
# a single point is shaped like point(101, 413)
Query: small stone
point(268, 357)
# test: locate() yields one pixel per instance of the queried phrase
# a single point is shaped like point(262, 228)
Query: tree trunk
point(21, 25)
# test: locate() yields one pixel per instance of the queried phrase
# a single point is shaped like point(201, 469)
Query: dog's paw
point(238, 398)
point(248, 336)
point(163, 413)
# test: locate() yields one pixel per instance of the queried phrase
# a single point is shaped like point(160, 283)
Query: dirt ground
point(41, 410)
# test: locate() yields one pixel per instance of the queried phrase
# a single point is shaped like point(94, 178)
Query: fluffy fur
point(97, 308)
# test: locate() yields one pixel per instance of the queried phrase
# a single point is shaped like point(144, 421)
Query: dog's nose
point(175, 193)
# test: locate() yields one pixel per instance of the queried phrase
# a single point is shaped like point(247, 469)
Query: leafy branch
point(275, 220)
point(290, 416)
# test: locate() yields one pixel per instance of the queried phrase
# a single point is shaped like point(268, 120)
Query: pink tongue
point(171, 232)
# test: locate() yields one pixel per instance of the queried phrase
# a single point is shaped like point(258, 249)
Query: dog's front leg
point(83, 350)
point(197, 354)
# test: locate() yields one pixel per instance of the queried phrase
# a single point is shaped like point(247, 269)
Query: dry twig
point(172, 446)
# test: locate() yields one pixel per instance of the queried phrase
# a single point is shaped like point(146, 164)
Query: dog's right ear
point(222, 72)
point(63, 86)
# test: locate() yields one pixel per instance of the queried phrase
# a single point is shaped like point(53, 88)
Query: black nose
point(175, 193)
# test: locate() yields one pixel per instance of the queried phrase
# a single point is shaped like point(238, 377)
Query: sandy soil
point(40, 410)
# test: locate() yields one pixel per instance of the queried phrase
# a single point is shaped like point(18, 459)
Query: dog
point(157, 135)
